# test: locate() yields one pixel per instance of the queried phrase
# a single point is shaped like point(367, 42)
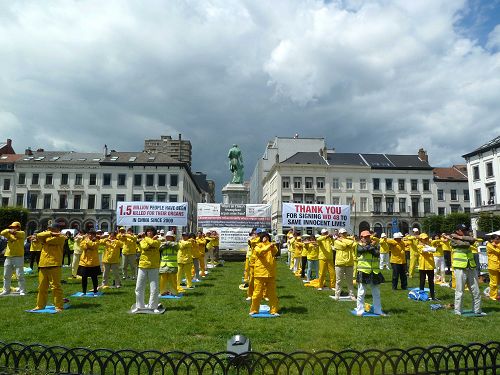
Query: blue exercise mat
point(264, 312)
point(49, 309)
point(365, 314)
point(170, 296)
point(88, 294)
point(469, 314)
point(417, 289)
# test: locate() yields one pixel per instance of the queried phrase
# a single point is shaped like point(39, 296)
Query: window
point(46, 201)
point(414, 207)
point(174, 180)
point(32, 200)
point(466, 195)
point(93, 179)
point(149, 197)
point(348, 184)
point(91, 202)
point(172, 198)
point(440, 195)
point(136, 197)
point(320, 200)
point(426, 185)
point(335, 183)
point(467, 210)
point(137, 179)
point(77, 202)
point(6, 184)
point(477, 197)
point(285, 182)
point(120, 197)
point(63, 201)
point(48, 179)
point(162, 180)
point(414, 185)
point(388, 184)
point(19, 200)
point(309, 198)
point(349, 201)
point(297, 198)
point(5, 201)
point(453, 194)
point(34, 179)
point(297, 182)
point(491, 194)
point(160, 197)
point(402, 205)
point(78, 179)
point(377, 205)
point(489, 169)
point(454, 208)
point(309, 182)
point(427, 205)
point(285, 198)
point(106, 179)
point(362, 184)
point(389, 204)
point(105, 201)
point(64, 179)
point(335, 200)
point(475, 172)
point(376, 184)
point(150, 180)
point(441, 211)
point(122, 179)
point(21, 179)
point(363, 204)
point(320, 182)
point(401, 184)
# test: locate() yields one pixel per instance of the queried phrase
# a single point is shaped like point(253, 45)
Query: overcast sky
point(370, 76)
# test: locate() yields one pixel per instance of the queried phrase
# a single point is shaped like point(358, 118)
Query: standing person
point(149, 266)
point(414, 254)
point(344, 263)
point(384, 252)
point(201, 244)
point(89, 265)
point(493, 251)
point(440, 276)
point(464, 267)
point(325, 257)
point(303, 254)
point(312, 258)
point(445, 241)
point(426, 264)
point(129, 251)
point(168, 266)
point(252, 243)
point(49, 268)
point(398, 261)
point(265, 274)
point(77, 252)
point(213, 239)
point(185, 261)
point(368, 253)
point(111, 260)
point(35, 250)
point(14, 258)
point(67, 248)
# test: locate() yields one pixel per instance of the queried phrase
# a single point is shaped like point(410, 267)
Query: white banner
point(233, 238)
point(151, 213)
point(316, 215)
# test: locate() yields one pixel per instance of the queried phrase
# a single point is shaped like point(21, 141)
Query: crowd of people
point(149, 257)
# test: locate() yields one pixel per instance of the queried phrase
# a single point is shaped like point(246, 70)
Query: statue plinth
point(235, 194)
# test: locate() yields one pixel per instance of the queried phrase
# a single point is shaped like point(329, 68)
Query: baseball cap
point(343, 230)
point(122, 228)
point(415, 229)
point(383, 235)
point(169, 234)
point(461, 227)
point(323, 231)
point(162, 231)
point(398, 235)
point(423, 236)
point(15, 224)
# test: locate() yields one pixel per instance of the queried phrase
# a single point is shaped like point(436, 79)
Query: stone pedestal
point(235, 194)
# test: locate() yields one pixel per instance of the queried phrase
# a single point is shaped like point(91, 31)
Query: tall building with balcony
point(451, 189)
point(178, 149)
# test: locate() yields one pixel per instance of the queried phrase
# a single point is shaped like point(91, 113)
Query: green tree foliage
point(488, 222)
point(10, 214)
point(439, 223)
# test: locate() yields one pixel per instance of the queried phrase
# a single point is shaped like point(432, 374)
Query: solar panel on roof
point(132, 158)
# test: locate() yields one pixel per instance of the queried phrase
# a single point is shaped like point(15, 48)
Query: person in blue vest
point(464, 266)
point(368, 273)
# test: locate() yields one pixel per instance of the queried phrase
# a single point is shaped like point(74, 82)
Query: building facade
point(451, 190)
point(178, 149)
point(80, 190)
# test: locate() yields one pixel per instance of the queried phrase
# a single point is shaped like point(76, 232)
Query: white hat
point(323, 231)
point(169, 234)
point(342, 230)
point(105, 234)
point(162, 231)
point(415, 230)
point(383, 235)
point(398, 235)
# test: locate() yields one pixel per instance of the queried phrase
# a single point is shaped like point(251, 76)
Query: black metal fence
point(475, 358)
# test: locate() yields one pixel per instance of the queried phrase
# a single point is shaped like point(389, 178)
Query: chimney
point(28, 151)
point(40, 150)
point(105, 150)
point(9, 142)
point(422, 155)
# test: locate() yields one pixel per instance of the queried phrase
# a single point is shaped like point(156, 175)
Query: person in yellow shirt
point(303, 256)
point(298, 247)
point(168, 266)
point(49, 268)
point(213, 242)
point(312, 253)
point(111, 260)
point(89, 265)
point(201, 244)
point(149, 269)
point(345, 248)
point(129, 252)
point(475, 253)
point(77, 253)
point(439, 271)
point(414, 254)
point(35, 250)
point(246, 271)
point(446, 244)
point(14, 258)
point(397, 248)
point(325, 257)
point(384, 252)
point(426, 263)
point(265, 274)
point(252, 243)
point(185, 261)
point(493, 251)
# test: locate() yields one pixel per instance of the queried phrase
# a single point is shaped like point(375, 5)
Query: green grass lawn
point(216, 309)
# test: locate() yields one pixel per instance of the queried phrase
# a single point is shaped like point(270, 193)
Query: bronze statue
point(236, 164)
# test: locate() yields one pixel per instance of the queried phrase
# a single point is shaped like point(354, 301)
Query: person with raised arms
point(89, 265)
point(14, 258)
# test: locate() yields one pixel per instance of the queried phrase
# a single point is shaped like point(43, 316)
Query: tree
point(436, 224)
point(488, 222)
point(10, 214)
point(433, 224)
